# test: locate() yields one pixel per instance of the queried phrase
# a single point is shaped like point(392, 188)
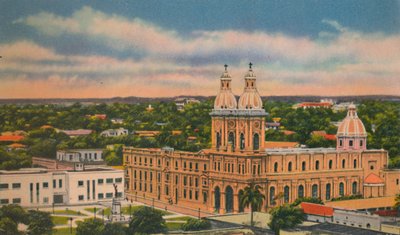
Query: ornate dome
point(225, 98)
point(352, 126)
point(250, 99)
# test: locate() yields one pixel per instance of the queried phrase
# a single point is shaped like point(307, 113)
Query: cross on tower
point(250, 64)
point(226, 67)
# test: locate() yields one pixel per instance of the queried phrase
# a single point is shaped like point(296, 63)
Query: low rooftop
point(363, 204)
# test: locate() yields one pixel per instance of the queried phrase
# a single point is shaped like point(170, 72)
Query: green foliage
point(14, 160)
point(40, 223)
point(8, 226)
point(307, 199)
point(319, 141)
point(90, 227)
point(284, 217)
point(146, 220)
point(196, 225)
point(114, 229)
point(14, 212)
point(396, 206)
point(253, 197)
point(349, 197)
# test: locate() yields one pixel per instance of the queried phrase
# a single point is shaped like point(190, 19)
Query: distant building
point(117, 121)
point(76, 133)
point(322, 104)
point(149, 108)
point(272, 125)
point(36, 187)
point(324, 135)
point(317, 212)
point(97, 116)
point(114, 132)
point(341, 106)
point(181, 102)
point(281, 144)
point(11, 138)
point(80, 155)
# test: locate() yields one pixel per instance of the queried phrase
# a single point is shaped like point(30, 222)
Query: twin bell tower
point(238, 126)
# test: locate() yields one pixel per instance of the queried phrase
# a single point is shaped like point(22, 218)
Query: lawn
point(59, 220)
point(63, 231)
point(125, 210)
point(173, 226)
point(181, 218)
point(67, 212)
point(91, 209)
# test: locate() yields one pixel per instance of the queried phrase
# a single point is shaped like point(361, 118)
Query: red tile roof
point(373, 179)
point(11, 138)
point(316, 209)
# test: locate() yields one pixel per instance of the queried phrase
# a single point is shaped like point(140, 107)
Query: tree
point(252, 197)
point(146, 220)
point(90, 227)
point(285, 216)
point(114, 229)
point(307, 199)
point(39, 223)
point(396, 206)
point(8, 226)
point(196, 225)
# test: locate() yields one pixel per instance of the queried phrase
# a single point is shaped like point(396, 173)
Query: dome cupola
point(225, 98)
point(351, 133)
point(250, 99)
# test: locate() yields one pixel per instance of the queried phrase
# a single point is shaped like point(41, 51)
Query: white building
point(114, 132)
point(80, 155)
point(36, 187)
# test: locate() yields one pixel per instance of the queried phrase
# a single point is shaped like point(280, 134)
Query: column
point(222, 209)
point(236, 203)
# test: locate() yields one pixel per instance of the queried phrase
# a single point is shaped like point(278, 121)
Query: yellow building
point(213, 179)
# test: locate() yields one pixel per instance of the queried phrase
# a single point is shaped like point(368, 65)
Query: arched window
point(300, 191)
point(350, 143)
point(328, 192)
point(218, 140)
point(272, 195)
point(340, 143)
point(231, 140)
point(256, 142)
point(330, 164)
point(355, 163)
point(317, 165)
point(303, 166)
point(354, 188)
point(341, 189)
point(343, 163)
point(290, 166)
point(286, 194)
point(275, 167)
point(241, 141)
point(314, 191)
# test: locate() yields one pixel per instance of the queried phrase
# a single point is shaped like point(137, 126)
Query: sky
point(157, 48)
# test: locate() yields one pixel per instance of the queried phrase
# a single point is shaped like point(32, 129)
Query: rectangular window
point(119, 194)
point(60, 183)
point(151, 175)
point(196, 195)
point(118, 180)
point(16, 200)
point(109, 195)
point(196, 182)
point(100, 195)
point(4, 201)
point(184, 180)
point(109, 180)
point(45, 184)
point(197, 166)
point(190, 165)
point(100, 181)
point(45, 200)
point(184, 193)
point(16, 185)
point(31, 192)
point(54, 184)
point(205, 167)
point(80, 197)
point(3, 186)
point(80, 183)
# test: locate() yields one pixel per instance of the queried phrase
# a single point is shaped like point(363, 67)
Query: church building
point(214, 179)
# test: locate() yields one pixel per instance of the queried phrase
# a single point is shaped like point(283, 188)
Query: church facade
point(213, 179)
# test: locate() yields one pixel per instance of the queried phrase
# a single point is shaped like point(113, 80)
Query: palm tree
point(285, 216)
point(252, 197)
point(397, 204)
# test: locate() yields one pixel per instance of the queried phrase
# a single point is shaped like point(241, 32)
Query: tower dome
point(351, 133)
point(250, 99)
point(225, 98)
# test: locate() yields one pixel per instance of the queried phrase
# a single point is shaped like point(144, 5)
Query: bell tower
point(238, 127)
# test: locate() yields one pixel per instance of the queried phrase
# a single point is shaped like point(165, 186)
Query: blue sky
point(167, 48)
